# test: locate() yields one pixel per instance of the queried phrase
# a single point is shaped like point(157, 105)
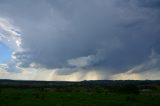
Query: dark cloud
point(149, 3)
point(118, 35)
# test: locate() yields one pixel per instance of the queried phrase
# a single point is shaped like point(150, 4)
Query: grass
point(35, 97)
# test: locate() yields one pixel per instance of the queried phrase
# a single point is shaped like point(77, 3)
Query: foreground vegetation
point(82, 95)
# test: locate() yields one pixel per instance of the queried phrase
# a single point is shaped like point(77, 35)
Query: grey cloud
point(119, 34)
point(149, 3)
point(151, 64)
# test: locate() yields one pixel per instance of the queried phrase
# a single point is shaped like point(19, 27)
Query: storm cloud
point(79, 36)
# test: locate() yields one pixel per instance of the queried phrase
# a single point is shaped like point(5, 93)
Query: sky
point(75, 40)
point(5, 53)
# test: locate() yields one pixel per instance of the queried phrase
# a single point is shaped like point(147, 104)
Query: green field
point(48, 97)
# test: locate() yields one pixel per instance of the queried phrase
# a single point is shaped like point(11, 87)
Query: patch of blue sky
point(5, 53)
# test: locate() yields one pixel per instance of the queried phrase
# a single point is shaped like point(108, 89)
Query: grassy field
point(48, 97)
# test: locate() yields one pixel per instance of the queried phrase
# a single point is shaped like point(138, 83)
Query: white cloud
point(81, 61)
point(3, 71)
point(9, 34)
point(11, 37)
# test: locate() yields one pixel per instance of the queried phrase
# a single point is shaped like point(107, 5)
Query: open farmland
point(86, 93)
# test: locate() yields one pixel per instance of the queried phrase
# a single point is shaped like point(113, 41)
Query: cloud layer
point(9, 35)
point(108, 36)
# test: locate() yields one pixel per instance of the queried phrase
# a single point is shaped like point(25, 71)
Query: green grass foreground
point(36, 97)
